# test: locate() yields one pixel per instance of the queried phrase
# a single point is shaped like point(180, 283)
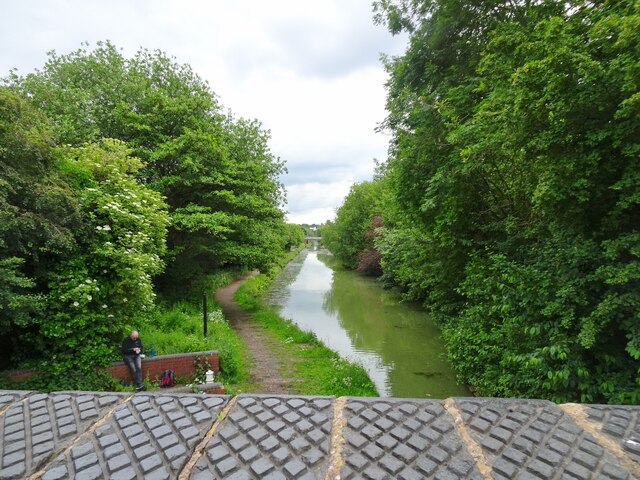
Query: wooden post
point(204, 312)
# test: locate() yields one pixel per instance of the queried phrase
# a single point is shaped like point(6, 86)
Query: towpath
point(266, 363)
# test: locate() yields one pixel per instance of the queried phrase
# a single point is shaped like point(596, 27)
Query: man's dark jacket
point(128, 345)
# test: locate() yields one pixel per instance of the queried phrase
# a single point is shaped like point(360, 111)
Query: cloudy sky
point(309, 71)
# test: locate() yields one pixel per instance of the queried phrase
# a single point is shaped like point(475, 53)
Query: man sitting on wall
point(131, 350)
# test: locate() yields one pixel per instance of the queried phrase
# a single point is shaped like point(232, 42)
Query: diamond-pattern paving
point(150, 436)
point(270, 437)
point(620, 423)
point(160, 435)
point(403, 439)
point(33, 428)
point(536, 440)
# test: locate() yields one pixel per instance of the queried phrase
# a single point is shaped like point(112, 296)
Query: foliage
point(514, 172)
point(353, 230)
point(49, 380)
point(95, 294)
point(201, 366)
point(294, 236)
point(216, 172)
point(177, 328)
point(80, 239)
point(39, 213)
point(318, 370)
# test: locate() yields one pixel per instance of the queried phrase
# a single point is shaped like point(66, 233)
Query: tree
point(514, 166)
point(350, 236)
point(216, 172)
point(39, 214)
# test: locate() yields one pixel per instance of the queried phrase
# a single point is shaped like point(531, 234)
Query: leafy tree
point(39, 214)
point(216, 172)
point(350, 236)
point(294, 235)
point(514, 168)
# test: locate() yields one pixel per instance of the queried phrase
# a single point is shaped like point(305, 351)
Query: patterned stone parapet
point(89, 435)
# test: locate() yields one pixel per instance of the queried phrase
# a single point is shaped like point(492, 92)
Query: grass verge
point(317, 369)
point(178, 329)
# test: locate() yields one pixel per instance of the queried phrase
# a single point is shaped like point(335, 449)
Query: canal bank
point(397, 343)
point(309, 367)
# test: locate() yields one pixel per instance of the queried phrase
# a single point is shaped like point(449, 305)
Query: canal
point(397, 343)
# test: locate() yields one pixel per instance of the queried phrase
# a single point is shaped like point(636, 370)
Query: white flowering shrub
point(97, 293)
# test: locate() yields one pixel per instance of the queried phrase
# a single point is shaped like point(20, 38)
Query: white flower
point(89, 297)
point(106, 227)
point(98, 227)
point(76, 304)
point(104, 305)
point(110, 315)
point(125, 299)
point(104, 271)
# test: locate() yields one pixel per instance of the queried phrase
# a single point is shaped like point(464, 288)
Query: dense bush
point(107, 281)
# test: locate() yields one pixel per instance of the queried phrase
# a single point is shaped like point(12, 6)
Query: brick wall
point(19, 375)
point(182, 364)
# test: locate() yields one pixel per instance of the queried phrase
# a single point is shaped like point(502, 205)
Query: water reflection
point(397, 343)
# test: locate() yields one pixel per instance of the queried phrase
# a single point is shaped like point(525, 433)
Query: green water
point(396, 342)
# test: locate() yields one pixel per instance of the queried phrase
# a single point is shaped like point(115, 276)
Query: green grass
point(317, 369)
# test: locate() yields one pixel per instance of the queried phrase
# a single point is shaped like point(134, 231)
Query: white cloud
point(309, 71)
point(309, 200)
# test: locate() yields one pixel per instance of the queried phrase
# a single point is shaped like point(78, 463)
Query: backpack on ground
point(167, 379)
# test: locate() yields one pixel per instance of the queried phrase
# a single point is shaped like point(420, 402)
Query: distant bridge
point(315, 240)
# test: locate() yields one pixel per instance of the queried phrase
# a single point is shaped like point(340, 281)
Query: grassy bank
point(176, 327)
point(317, 369)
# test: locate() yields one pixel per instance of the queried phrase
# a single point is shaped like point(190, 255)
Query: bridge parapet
point(86, 435)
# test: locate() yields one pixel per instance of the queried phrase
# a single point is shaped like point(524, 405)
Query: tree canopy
point(215, 171)
point(514, 177)
point(118, 177)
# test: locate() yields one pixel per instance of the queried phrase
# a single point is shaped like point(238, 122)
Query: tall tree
point(218, 176)
point(514, 164)
point(39, 214)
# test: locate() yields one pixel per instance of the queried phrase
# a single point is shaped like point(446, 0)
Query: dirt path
point(266, 366)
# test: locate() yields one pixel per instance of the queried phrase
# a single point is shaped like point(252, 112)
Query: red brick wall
point(182, 364)
point(19, 375)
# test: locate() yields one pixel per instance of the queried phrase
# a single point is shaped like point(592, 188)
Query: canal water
point(397, 343)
